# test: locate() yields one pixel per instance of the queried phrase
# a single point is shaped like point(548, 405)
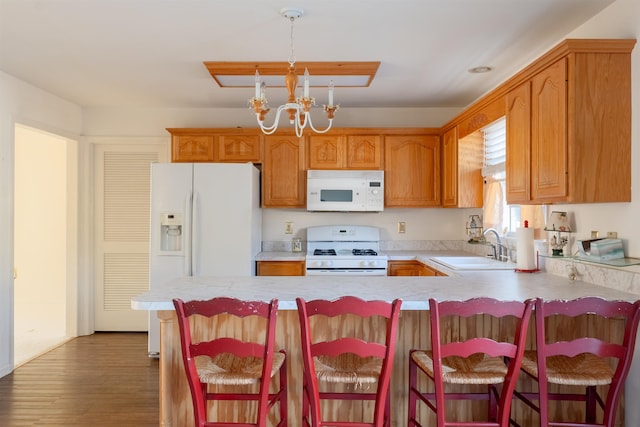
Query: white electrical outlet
point(402, 227)
point(288, 227)
point(612, 234)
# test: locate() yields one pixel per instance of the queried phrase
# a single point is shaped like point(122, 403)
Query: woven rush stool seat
point(475, 369)
point(584, 364)
point(583, 369)
point(228, 356)
point(351, 362)
point(348, 368)
point(460, 360)
point(228, 369)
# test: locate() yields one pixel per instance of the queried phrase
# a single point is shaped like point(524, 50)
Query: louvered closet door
point(122, 174)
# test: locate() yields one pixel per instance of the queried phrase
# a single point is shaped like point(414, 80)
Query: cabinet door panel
point(192, 148)
point(280, 268)
point(412, 170)
point(518, 144)
point(283, 174)
point(326, 152)
point(549, 133)
point(239, 148)
point(364, 152)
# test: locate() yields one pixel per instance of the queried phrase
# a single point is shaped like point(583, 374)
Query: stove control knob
point(373, 263)
point(326, 263)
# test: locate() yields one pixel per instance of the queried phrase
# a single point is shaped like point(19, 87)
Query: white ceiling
point(149, 53)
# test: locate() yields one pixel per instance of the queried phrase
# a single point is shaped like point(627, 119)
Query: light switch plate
point(402, 227)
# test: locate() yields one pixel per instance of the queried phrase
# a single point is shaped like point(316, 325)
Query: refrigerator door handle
point(195, 217)
point(188, 250)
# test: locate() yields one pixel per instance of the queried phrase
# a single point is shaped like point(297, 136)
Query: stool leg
point(283, 397)
point(590, 405)
point(493, 403)
point(413, 373)
point(387, 410)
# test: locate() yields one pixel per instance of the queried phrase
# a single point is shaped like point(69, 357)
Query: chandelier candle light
point(298, 109)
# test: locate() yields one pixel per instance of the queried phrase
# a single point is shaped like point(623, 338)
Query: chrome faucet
point(498, 248)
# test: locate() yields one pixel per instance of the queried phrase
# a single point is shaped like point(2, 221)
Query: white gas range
point(342, 250)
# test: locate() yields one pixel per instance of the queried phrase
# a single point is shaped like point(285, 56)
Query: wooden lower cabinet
point(411, 268)
point(280, 268)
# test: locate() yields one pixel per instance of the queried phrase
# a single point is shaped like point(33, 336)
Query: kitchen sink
point(472, 263)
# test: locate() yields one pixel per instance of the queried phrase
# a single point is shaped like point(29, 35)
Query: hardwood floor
point(105, 379)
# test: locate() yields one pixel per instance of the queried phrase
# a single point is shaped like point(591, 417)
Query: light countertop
point(414, 291)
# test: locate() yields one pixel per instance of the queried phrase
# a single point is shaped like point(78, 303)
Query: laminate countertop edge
point(414, 291)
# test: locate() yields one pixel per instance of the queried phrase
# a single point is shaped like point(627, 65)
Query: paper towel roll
point(524, 245)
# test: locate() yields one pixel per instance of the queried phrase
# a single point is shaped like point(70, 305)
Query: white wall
point(422, 224)
point(22, 103)
point(153, 122)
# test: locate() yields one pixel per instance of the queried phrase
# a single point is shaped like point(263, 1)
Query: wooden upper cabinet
point(518, 124)
point(345, 151)
point(216, 145)
point(412, 170)
point(484, 115)
point(572, 117)
point(192, 148)
point(549, 133)
point(364, 152)
point(462, 170)
point(450, 168)
point(239, 148)
point(283, 172)
point(327, 151)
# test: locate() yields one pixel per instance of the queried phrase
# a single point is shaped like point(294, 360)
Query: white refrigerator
point(205, 221)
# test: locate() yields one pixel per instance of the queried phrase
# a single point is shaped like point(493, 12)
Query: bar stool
point(468, 359)
point(222, 367)
point(348, 360)
point(577, 357)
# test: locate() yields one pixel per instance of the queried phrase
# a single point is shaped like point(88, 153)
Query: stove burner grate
point(361, 252)
point(324, 252)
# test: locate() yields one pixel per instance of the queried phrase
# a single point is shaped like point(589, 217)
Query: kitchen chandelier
point(298, 109)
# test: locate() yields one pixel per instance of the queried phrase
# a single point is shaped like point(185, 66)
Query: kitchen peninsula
point(175, 403)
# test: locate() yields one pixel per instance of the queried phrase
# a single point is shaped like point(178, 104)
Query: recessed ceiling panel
point(278, 81)
point(343, 74)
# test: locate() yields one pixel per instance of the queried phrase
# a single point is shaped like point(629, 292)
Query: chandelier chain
point(292, 58)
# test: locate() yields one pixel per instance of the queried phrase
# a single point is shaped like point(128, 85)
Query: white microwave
point(345, 190)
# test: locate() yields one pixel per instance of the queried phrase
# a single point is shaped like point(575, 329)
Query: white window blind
point(495, 148)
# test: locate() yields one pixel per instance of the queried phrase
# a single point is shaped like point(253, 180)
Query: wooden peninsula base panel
point(413, 332)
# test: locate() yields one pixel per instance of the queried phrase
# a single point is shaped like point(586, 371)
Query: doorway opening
point(41, 242)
